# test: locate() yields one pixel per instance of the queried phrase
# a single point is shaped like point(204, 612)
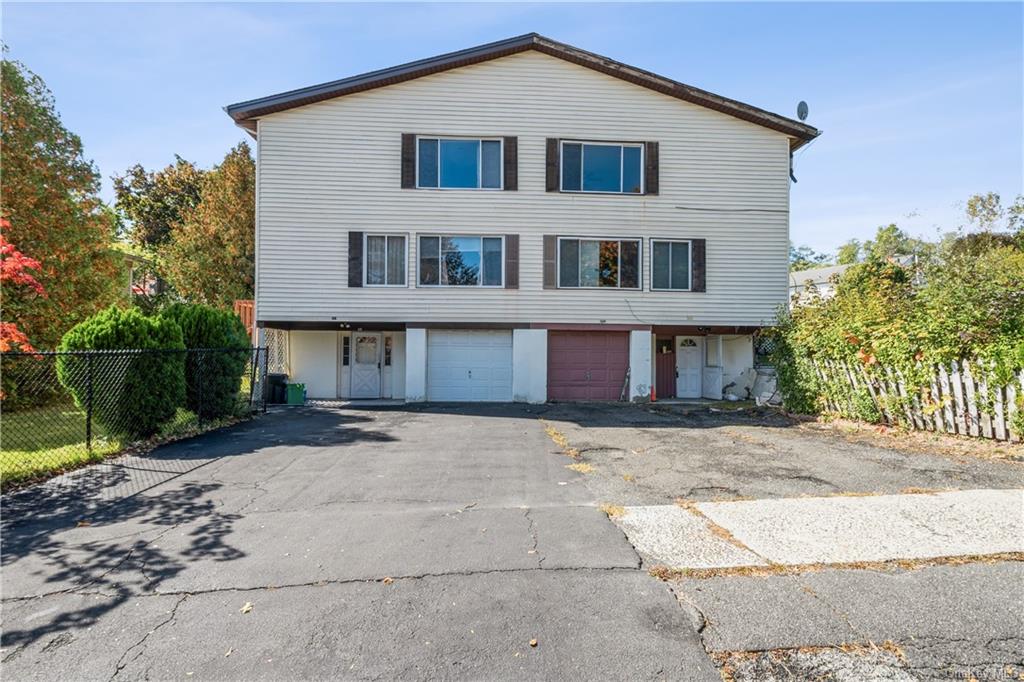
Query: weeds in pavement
point(612, 510)
point(580, 467)
point(668, 574)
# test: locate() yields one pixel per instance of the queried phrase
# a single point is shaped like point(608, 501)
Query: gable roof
point(245, 113)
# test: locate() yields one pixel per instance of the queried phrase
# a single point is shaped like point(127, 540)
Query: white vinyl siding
point(334, 166)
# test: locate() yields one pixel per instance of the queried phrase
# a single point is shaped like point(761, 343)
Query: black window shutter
point(551, 166)
point(550, 267)
point(355, 259)
point(511, 154)
point(650, 168)
point(699, 259)
point(511, 261)
point(408, 161)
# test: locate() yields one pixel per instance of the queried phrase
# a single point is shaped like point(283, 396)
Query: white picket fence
point(960, 400)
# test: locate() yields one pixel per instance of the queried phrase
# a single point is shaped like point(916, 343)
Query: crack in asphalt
point(121, 662)
point(533, 536)
point(341, 581)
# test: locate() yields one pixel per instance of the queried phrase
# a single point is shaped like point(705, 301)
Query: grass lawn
point(47, 439)
point(43, 441)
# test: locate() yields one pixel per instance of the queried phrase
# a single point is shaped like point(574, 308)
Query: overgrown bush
point(212, 378)
point(965, 304)
point(131, 395)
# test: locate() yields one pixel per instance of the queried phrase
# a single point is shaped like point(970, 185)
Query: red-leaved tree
point(14, 271)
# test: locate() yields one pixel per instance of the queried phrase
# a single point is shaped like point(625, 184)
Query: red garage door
point(587, 365)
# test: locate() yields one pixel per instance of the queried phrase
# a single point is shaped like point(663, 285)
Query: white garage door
point(469, 365)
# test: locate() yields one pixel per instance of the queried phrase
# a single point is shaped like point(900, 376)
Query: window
point(670, 265)
point(346, 348)
point(387, 351)
point(602, 167)
point(599, 263)
point(385, 260)
point(366, 350)
point(458, 163)
point(461, 261)
point(711, 351)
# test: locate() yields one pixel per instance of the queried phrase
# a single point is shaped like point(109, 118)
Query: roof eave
point(244, 113)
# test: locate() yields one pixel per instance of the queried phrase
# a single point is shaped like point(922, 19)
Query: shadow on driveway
point(49, 530)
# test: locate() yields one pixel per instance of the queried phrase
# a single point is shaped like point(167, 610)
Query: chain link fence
point(62, 410)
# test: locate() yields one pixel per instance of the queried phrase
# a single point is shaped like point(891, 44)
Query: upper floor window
point(457, 163)
point(461, 261)
point(670, 265)
point(599, 263)
point(385, 260)
point(602, 167)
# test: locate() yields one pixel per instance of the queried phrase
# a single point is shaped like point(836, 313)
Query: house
point(822, 279)
point(523, 221)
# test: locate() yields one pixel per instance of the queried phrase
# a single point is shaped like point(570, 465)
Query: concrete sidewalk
point(827, 530)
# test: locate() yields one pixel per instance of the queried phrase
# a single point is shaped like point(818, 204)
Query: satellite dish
point(801, 110)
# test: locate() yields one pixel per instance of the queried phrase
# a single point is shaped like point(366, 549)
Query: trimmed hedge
point(132, 395)
point(212, 379)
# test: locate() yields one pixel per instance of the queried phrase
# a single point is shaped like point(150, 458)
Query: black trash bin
point(277, 389)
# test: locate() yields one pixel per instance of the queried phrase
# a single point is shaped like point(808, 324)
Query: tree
point(804, 258)
point(50, 198)
point(891, 242)
point(984, 211)
point(849, 253)
point(210, 257)
point(14, 270)
point(154, 202)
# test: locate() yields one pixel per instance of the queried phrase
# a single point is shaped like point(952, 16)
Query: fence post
point(254, 363)
point(88, 404)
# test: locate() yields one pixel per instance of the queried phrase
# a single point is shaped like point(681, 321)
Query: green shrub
point(887, 322)
point(212, 377)
point(132, 394)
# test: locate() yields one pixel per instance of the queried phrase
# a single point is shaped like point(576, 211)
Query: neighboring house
point(141, 279)
point(820, 278)
point(518, 221)
point(824, 279)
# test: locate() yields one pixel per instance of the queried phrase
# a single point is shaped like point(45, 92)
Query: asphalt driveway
point(457, 542)
point(312, 543)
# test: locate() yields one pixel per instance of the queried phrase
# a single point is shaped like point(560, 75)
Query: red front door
point(665, 368)
point(587, 365)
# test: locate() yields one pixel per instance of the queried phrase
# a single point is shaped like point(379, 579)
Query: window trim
point(689, 266)
point(479, 162)
point(639, 262)
point(366, 260)
point(478, 235)
point(622, 160)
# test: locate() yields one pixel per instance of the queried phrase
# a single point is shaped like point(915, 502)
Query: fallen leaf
point(228, 653)
point(83, 522)
point(533, 642)
point(388, 581)
point(247, 608)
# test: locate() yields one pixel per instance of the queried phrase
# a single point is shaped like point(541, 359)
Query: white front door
point(689, 360)
point(469, 365)
point(366, 349)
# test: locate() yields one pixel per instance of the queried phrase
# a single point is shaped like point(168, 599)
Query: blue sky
point(921, 104)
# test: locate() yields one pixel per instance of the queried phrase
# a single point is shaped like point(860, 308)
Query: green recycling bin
point(296, 394)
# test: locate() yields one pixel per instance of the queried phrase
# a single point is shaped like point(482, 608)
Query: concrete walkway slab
point(875, 528)
point(676, 537)
point(829, 530)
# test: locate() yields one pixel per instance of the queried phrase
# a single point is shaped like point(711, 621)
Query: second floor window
point(586, 263)
point(455, 163)
point(602, 167)
point(461, 261)
point(670, 265)
point(385, 260)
